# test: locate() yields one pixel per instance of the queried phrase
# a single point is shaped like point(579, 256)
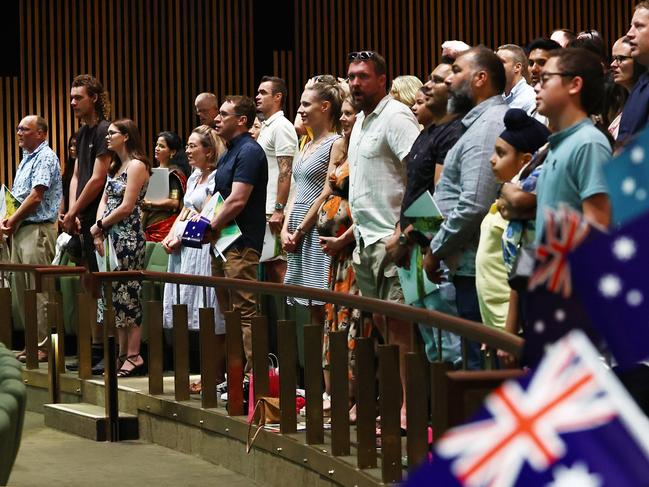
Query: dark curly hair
point(94, 87)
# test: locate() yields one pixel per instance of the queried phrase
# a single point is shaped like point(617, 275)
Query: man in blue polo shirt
point(636, 109)
point(241, 178)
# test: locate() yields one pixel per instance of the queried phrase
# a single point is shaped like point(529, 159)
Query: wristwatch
point(403, 239)
point(279, 207)
point(100, 225)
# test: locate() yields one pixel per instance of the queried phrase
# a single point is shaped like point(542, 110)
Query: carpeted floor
point(50, 458)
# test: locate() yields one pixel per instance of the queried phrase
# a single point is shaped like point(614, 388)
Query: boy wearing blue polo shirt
point(570, 89)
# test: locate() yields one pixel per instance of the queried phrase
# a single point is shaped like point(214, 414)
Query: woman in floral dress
point(119, 222)
point(336, 230)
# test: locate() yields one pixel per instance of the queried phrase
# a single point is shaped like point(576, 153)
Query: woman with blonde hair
point(308, 265)
point(204, 147)
point(404, 89)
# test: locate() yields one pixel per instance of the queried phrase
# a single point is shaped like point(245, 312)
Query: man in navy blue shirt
point(241, 178)
point(636, 109)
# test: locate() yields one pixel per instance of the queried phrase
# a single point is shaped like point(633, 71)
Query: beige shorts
point(375, 276)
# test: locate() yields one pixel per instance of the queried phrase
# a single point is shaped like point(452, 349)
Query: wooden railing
point(425, 385)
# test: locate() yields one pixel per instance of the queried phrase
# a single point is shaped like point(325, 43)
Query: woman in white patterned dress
point(204, 148)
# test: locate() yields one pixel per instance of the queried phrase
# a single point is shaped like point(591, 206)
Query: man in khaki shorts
point(381, 138)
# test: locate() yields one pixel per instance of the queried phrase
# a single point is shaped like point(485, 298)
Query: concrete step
point(88, 421)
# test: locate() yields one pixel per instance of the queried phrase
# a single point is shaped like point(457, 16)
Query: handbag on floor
point(267, 412)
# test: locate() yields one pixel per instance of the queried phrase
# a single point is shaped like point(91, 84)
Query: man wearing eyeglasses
point(37, 186)
point(241, 179)
point(570, 87)
point(382, 136)
point(636, 110)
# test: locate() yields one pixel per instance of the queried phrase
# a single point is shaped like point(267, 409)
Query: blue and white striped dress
point(309, 266)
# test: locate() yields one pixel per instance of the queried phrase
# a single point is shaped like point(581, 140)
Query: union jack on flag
point(570, 423)
point(564, 230)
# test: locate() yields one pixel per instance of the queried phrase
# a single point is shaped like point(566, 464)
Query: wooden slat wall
point(409, 33)
point(155, 55)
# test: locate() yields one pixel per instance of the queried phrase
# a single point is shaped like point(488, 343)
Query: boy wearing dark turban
point(514, 148)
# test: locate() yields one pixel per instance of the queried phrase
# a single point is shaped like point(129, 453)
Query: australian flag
point(611, 274)
point(570, 423)
point(550, 309)
point(627, 177)
point(195, 232)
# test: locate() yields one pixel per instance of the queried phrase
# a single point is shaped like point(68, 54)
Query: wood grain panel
point(154, 56)
point(409, 33)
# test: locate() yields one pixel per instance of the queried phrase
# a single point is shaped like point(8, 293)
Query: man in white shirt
point(382, 136)
point(279, 140)
point(518, 93)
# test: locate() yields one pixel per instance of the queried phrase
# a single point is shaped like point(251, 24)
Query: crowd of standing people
point(494, 136)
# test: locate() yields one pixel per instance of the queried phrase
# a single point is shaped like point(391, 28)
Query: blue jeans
point(466, 300)
point(442, 300)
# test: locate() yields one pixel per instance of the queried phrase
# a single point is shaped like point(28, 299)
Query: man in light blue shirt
point(467, 187)
point(37, 186)
point(518, 93)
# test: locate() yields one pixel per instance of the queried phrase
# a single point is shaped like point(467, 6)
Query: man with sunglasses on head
point(382, 136)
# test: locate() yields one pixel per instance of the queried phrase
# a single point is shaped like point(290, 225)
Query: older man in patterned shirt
point(37, 186)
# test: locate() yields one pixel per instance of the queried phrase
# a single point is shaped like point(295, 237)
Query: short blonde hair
point(404, 89)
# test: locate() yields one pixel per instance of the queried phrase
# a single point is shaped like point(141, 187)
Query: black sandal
point(137, 370)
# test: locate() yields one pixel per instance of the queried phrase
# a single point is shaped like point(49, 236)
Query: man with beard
point(426, 157)
point(467, 186)
point(380, 140)
point(424, 163)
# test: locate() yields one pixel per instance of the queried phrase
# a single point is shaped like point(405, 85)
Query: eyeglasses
point(21, 130)
point(226, 114)
point(546, 76)
point(110, 133)
point(190, 146)
point(619, 59)
point(361, 55)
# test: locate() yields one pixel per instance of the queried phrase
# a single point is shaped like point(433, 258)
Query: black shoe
point(98, 369)
point(96, 354)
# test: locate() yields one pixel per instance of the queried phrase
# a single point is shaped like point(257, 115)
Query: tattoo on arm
point(285, 164)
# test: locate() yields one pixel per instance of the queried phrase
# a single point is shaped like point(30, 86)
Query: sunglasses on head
point(362, 55)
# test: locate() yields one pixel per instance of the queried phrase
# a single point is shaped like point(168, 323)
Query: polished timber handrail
point(469, 329)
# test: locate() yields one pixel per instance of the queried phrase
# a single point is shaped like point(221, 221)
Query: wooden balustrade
point(435, 381)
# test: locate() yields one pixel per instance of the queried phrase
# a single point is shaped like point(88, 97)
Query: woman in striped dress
point(308, 265)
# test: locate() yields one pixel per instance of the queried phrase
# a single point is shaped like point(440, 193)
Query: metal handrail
point(472, 330)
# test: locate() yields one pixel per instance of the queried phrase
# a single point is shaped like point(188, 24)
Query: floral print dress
point(127, 239)
point(334, 219)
